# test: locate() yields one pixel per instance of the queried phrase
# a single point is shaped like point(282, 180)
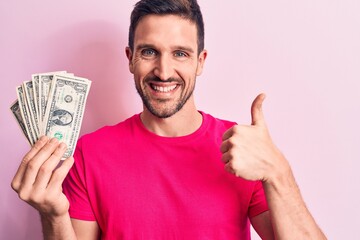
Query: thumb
point(257, 116)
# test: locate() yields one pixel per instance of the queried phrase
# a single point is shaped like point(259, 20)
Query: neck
point(182, 123)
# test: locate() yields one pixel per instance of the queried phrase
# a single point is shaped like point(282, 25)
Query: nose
point(164, 68)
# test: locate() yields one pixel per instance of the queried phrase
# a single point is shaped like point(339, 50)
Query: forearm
point(249, 152)
point(289, 215)
point(58, 228)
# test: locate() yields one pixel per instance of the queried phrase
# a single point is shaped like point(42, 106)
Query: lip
point(163, 89)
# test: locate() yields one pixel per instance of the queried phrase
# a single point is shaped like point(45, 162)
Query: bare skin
point(249, 152)
point(38, 184)
point(165, 47)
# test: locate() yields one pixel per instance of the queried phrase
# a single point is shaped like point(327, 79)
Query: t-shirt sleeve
point(74, 187)
point(258, 202)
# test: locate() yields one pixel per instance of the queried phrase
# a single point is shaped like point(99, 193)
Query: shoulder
point(215, 122)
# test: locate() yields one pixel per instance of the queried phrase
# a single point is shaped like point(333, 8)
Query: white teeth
point(164, 89)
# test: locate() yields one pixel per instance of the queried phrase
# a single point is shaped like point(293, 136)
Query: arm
point(290, 216)
point(249, 152)
point(56, 228)
point(287, 212)
point(86, 230)
point(69, 228)
point(38, 182)
point(262, 225)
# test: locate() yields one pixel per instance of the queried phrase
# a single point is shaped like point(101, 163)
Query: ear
point(201, 62)
point(129, 56)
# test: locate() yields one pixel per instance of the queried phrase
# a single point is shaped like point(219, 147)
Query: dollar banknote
point(65, 109)
point(43, 89)
point(30, 101)
point(52, 104)
point(25, 114)
point(35, 82)
point(15, 109)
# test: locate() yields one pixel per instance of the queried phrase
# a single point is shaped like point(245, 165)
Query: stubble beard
point(166, 111)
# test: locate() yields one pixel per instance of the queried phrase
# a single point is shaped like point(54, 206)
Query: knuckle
point(32, 166)
point(223, 145)
point(234, 156)
point(26, 159)
point(229, 167)
point(232, 152)
point(23, 195)
point(236, 129)
point(15, 185)
point(44, 169)
point(231, 143)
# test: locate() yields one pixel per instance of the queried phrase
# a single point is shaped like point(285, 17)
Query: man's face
point(165, 63)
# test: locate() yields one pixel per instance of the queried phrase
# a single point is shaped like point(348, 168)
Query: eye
point(148, 53)
point(180, 54)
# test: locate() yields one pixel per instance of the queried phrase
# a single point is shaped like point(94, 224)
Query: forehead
point(165, 30)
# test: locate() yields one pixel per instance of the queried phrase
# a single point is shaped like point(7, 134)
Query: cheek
point(142, 69)
point(187, 71)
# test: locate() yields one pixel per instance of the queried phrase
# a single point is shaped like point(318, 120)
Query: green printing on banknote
point(52, 104)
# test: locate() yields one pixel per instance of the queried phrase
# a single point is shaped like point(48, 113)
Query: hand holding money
point(52, 104)
point(36, 181)
point(49, 110)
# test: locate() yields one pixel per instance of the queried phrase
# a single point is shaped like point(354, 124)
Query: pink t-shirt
point(138, 185)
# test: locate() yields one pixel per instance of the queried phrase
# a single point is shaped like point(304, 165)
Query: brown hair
point(187, 9)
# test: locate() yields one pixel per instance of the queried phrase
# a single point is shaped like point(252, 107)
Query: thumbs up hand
point(248, 151)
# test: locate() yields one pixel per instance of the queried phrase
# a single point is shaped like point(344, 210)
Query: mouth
point(163, 89)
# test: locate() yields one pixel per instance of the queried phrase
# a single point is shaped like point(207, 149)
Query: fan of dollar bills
point(52, 104)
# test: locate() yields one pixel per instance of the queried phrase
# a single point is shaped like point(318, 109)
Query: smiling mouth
point(163, 89)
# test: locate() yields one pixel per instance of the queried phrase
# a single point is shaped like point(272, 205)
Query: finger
point(33, 166)
point(60, 173)
point(228, 167)
point(16, 182)
point(228, 134)
point(224, 146)
point(257, 116)
point(226, 157)
point(47, 168)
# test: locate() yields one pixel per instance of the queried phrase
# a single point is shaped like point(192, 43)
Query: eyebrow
point(142, 46)
point(187, 49)
point(179, 47)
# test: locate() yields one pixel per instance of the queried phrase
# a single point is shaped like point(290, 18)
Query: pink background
point(304, 54)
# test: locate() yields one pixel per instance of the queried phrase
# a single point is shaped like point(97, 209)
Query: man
point(160, 174)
